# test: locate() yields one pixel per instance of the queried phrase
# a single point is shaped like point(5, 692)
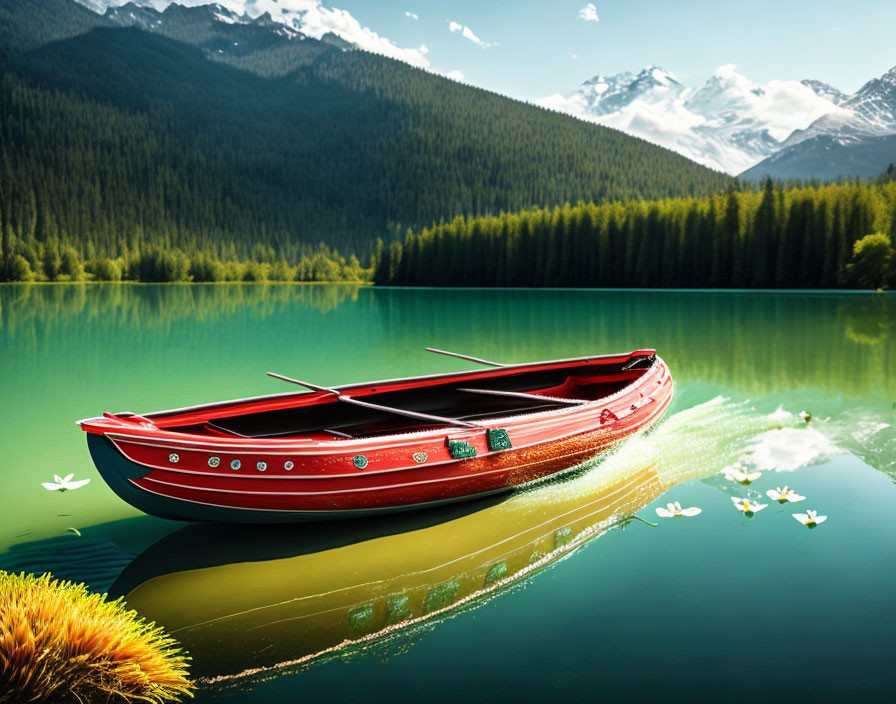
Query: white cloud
point(467, 33)
point(455, 76)
point(316, 20)
point(309, 17)
point(791, 106)
point(589, 13)
point(784, 106)
point(728, 72)
point(412, 15)
point(573, 56)
point(669, 124)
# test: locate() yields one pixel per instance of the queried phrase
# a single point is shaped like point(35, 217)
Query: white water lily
point(64, 483)
point(747, 506)
point(783, 495)
point(736, 473)
point(675, 509)
point(810, 518)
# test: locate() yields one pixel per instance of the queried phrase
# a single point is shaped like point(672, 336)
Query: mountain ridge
point(307, 19)
point(858, 139)
point(730, 122)
point(118, 138)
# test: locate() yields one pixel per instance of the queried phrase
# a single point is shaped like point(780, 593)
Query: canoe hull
point(117, 471)
point(226, 480)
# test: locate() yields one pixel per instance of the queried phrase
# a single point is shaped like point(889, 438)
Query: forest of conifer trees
point(775, 237)
point(827, 236)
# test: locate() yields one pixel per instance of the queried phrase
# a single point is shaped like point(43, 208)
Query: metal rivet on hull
point(360, 461)
point(235, 464)
point(174, 458)
point(288, 465)
point(214, 461)
point(261, 466)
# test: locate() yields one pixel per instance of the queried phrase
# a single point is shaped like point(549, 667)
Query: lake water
point(563, 591)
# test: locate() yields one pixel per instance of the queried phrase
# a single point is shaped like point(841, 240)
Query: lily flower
point(64, 483)
point(810, 518)
point(784, 495)
point(747, 506)
point(675, 509)
point(736, 473)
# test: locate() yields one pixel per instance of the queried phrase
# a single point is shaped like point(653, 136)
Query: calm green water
point(711, 606)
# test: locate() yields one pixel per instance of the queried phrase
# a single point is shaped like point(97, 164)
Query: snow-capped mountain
point(158, 15)
point(294, 19)
point(215, 28)
point(602, 95)
point(729, 123)
point(869, 112)
point(875, 102)
point(859, 139)
point(825, 90)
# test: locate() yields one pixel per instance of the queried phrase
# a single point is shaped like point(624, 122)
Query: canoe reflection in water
point(254, 602)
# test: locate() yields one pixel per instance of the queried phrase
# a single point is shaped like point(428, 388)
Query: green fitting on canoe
point(495, 573)
point(440, 596)
point(360, 618)
point(460, 449)
point(562, 537)
point(398, 608)
point(498, 439)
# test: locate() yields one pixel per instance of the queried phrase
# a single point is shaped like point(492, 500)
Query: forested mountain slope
point(829, 158)
point(25, 24)
point(115, 138)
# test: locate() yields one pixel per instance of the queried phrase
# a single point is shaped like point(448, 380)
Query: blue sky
point(841, 43)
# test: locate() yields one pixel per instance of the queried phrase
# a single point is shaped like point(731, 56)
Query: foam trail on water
point(788, 449)
point(696, 443)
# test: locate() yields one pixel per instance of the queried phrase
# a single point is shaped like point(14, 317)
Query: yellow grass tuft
point(60, 643)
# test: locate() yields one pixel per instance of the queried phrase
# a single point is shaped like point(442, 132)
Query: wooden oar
point(465, 356)
point(522, 394)
point(375, 406)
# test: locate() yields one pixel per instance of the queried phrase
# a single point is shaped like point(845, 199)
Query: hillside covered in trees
point(811, 237)
point(114, 140)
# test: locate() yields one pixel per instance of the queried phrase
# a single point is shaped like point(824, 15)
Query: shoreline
point(370, 284)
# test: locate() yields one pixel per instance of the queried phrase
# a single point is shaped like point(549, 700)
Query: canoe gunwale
point(398, 380)
point(120, 429)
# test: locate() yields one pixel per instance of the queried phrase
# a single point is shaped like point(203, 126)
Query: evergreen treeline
point(23, 260)
point(777, 237)
point(115, 140)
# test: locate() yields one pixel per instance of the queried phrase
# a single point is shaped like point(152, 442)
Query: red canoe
point(378, 446)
